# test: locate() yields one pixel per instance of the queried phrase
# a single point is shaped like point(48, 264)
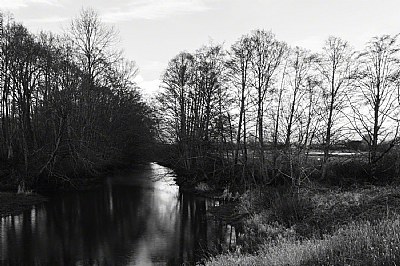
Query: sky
point(153, 31)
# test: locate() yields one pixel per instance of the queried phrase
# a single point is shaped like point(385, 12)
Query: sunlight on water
point(3, 236)
point(33, 218)
point(138, 218)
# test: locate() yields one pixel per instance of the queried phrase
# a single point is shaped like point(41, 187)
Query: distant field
point(316, 154)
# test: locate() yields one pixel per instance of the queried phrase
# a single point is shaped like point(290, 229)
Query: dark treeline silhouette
point(68, 105)
point(263, 112)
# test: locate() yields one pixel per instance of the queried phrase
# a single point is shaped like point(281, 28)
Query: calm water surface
point(140, 218)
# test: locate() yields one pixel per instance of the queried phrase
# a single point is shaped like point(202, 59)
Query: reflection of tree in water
point(195, 235)
point(119, 225)
point(82, 226)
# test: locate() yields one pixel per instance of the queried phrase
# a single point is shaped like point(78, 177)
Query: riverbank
point(341, 220)
point(319, 226)
point(14, 204)
point(200, 186)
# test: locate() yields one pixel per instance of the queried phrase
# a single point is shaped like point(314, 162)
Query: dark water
point(140, 218)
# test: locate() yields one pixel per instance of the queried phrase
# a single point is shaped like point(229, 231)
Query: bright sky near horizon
point(154, 31)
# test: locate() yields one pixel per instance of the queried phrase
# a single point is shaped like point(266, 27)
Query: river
point(137, 218)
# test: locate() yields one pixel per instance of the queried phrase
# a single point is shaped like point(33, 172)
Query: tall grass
point(320, 227)
point(359, 243)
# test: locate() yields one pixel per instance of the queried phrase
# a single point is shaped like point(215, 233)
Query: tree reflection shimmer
point(140, 218)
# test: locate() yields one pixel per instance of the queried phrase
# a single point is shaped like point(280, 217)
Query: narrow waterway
point(139, 218)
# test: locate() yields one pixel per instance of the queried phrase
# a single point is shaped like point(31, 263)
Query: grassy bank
point(316, 226)
point(14, 204)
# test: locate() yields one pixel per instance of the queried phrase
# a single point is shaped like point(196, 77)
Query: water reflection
point(140, 218)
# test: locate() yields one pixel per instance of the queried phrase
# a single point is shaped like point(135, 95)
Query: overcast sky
point(154, 31)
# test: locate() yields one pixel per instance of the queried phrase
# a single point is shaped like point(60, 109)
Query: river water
point(138, 218)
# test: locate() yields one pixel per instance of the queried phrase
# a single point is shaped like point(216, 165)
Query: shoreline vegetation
point(68, 114)
point(317, 224)
point(14, 204)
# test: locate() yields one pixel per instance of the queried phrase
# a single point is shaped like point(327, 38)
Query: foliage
point(65, 111)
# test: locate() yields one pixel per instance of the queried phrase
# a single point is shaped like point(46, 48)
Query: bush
point(358, 171)
point(348, 173)
point(285, 207)
point(275, 212)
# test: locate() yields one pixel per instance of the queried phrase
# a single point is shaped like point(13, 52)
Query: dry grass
point(360, 243)
point(327, 227)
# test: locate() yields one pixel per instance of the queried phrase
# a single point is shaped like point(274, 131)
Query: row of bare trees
point(68, 104)
point(257, 109)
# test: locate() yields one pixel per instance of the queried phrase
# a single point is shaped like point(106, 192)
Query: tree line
point(68, 105)
point(257, 111)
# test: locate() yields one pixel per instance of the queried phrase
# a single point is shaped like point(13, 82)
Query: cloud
point(16, 4)
point(155, 9)
point(47, 20)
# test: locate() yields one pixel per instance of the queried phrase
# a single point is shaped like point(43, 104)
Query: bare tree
point(376, 110)
point(239, 73)
point(335, 68)
point(177, 82)
point(68, 106)
point(299, 71)
point(5, 86)
point(267, 57)
point(310, 121)
point(94, 44)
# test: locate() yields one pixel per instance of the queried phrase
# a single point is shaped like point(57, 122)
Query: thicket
point(262, 112)
point(296, 133)
point(68, 106)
